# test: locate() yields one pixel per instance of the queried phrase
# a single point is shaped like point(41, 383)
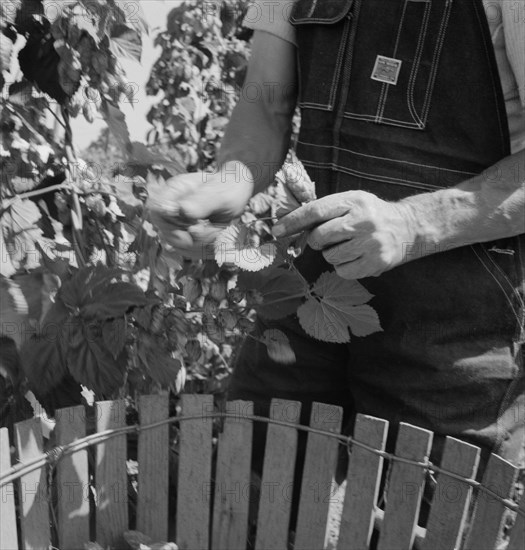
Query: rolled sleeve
point(271, 16)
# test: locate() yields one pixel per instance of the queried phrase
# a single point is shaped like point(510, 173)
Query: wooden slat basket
point(216, 495)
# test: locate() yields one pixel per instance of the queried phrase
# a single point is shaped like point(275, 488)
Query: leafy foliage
point(120, 313)
point(198, 78)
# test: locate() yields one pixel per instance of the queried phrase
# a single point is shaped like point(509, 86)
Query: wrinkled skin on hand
point(357, 232)
point(190, 210)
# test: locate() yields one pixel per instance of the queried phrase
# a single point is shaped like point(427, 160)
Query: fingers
point(310, 215)
point(342, 253)
point(165, 197)
point(205, 233)
point(359, 269)
point(330, 233)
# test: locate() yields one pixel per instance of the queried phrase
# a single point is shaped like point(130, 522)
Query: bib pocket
point(322, 34)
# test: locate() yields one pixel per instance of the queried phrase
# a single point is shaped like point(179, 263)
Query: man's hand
point(358, 233)
point(191, 209)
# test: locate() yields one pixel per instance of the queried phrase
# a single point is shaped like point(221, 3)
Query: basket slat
point(72, 481)
point(363, 479)
point(153, 476)
point(277, 478)
point(194, 490)
point(34, 501)
point(517, 535)
point(452, 497)
point(8, 535)
point(499, 477)
point(318, 484)
point(110, 476)
point(404, 489)
point(232, 480)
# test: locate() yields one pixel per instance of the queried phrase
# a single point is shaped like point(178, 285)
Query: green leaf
point(116, 121)
point(215, 331)
point(193, 350)
point(143, 315)
point(282, 291)
point(113, 301)
point(227, 319)
point(142, 156)
point(218, 290)
point(285, 201)
point(126, 42)
point(160, 364)
point(191, 289)
point(278, 346)
point(86, 24)
point(260, 203)
point(88, 359)
point(79, 289)
point(234, 245)
point(114, 335)
point(43, 355)
point(8, 11)
point(335, 307)
point(93, 293)
point(21, 232)
point(6, 49)
point(6, 265)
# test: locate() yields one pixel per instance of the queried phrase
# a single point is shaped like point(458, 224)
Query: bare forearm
point(485, 208)
point(258, 134)
point(259, 140)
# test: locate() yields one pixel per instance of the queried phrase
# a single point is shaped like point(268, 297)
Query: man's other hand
point(358, 233)
point(191, 209)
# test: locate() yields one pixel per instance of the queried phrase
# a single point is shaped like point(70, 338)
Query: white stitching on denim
point(505, 276)
point(339, 62)
point(382, 104)
point(311, 9)
point(390, 121)
point(373, 177)
point(415, 67)
point(322, 20)
point(435, 60)
point(509, 298)
point(390, 160)
point(318, 106)
point(520, 240)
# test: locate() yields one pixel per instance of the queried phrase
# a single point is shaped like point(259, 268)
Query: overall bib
point(400, 97)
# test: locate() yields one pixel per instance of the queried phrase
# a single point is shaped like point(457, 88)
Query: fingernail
point(278, 230)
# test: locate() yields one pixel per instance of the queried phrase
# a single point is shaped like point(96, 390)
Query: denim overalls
point(400, 97)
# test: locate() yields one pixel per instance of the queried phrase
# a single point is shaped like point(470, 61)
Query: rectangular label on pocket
point(386, 69)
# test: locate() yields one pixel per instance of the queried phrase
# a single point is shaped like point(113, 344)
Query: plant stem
point(278, 300)
point(36, 193)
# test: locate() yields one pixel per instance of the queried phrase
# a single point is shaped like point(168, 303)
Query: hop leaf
point(278, 346)
point(293, 188)
point(335, 307)
point(191, 289)
point(21, 232)
point(282, 291)
point(298, 181)
point(227, 319)
point(236, 245)
point(285, 200)
point(159, 362)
